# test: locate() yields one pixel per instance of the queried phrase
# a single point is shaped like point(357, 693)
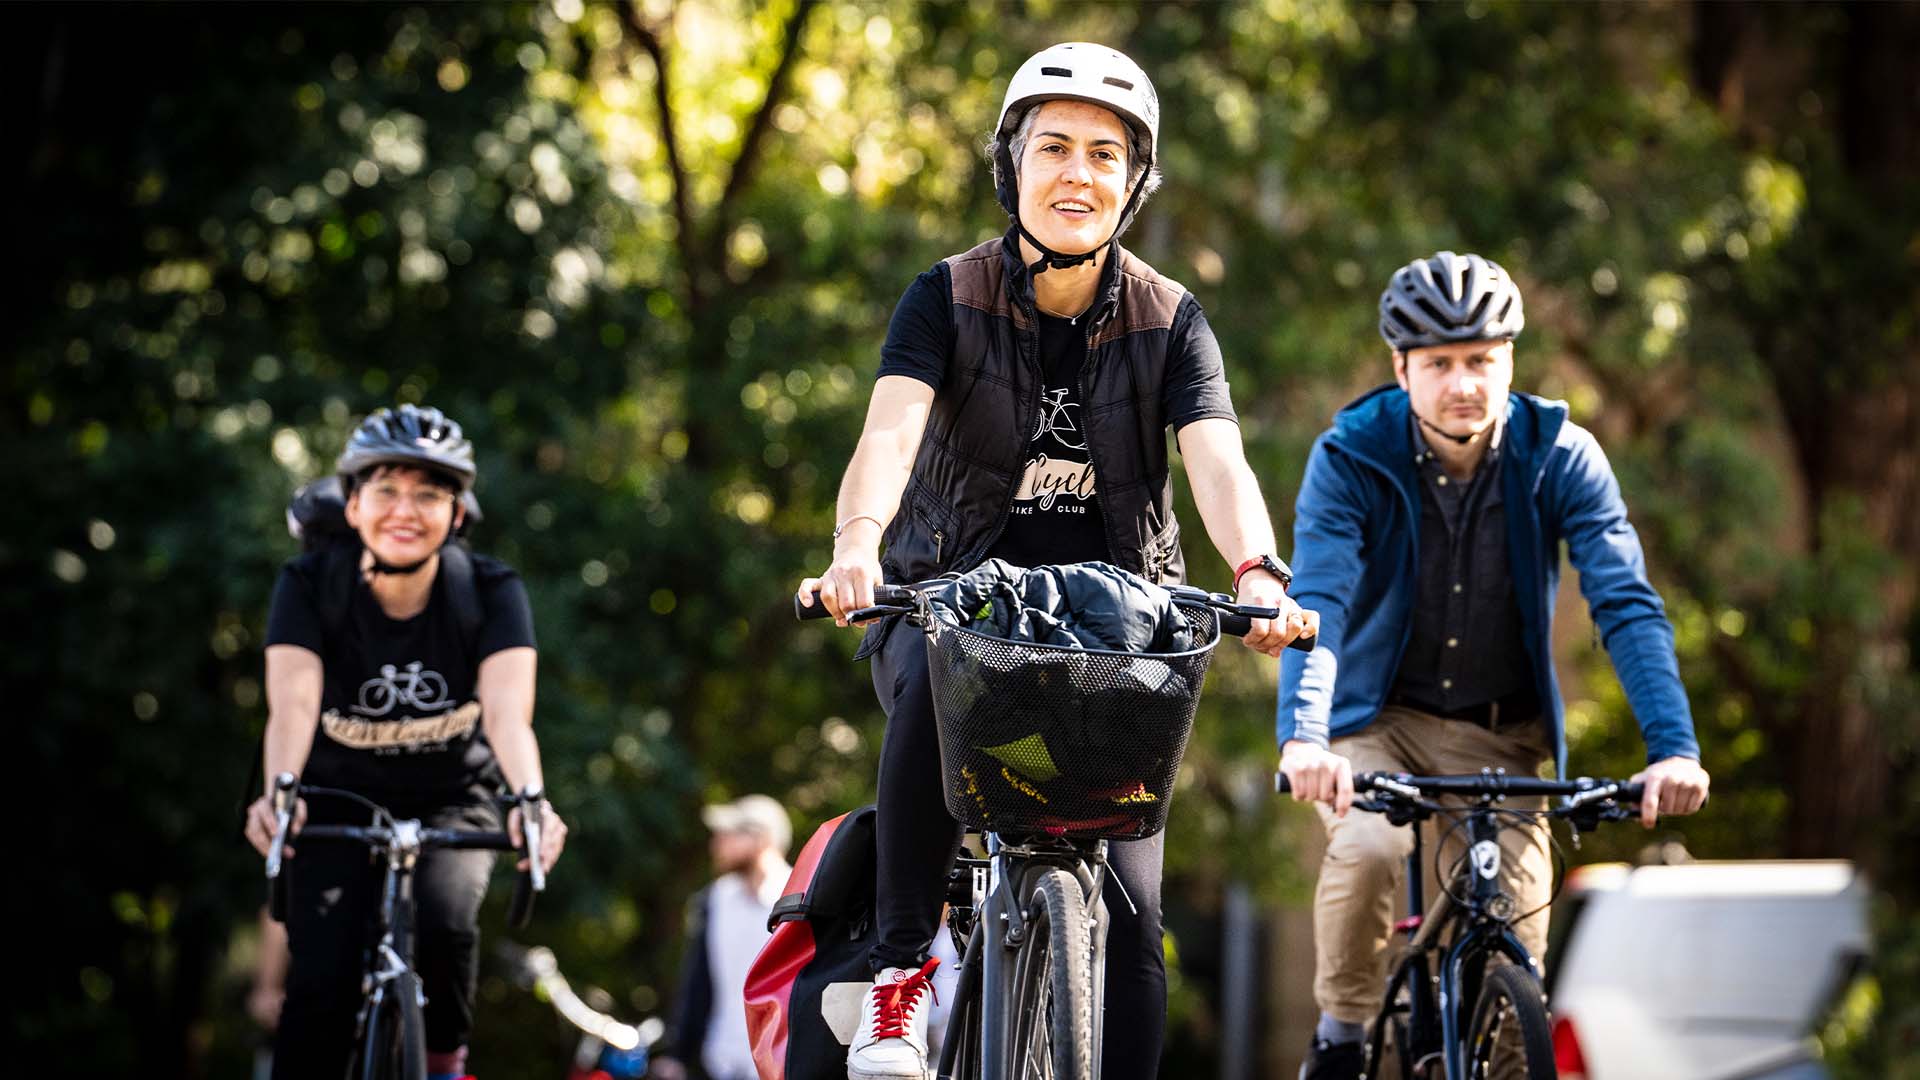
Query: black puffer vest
point(971, 456)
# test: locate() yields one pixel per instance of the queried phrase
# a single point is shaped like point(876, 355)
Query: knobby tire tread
point(1057, 930)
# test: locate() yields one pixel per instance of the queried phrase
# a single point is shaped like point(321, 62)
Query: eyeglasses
point(424, 500)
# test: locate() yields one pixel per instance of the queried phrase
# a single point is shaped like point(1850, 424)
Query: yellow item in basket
point(1029, 755)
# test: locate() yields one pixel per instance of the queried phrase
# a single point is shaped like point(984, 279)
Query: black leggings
point(334, 893)
point(917, 841)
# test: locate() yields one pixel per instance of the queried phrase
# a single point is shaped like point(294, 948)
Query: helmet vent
point(1121, 83)
point(1064, 73)
point(1432, 312)
point(1480, 308)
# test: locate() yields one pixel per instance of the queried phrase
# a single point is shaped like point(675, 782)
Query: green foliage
point(664, 360)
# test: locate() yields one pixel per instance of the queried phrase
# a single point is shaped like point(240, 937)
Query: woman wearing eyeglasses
point(400, 668)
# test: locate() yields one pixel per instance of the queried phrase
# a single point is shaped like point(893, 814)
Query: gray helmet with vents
point(416, 435)
point(1448, 299)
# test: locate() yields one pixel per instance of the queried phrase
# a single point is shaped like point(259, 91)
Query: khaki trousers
point(1366, 855)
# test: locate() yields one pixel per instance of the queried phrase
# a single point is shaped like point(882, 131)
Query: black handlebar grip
point(1239, 625)
point(520, 907)
point(883, 595)
point(1281, 785)
point(1631, 793)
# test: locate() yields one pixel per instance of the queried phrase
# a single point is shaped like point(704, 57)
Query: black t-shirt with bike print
point(397, 709)
point(1055, 517)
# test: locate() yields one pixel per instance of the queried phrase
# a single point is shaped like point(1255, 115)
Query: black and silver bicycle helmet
point(1449, 299)
point(417, 435)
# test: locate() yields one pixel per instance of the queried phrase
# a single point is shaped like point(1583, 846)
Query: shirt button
point(1453, 643)
point(1456, 586)
point(1446, 684)
point(1441, 480)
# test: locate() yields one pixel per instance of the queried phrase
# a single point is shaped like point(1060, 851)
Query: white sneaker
point(892, 1041)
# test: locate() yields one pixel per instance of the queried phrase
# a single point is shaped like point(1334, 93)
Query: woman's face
point(402, 516)
point(1073, 176)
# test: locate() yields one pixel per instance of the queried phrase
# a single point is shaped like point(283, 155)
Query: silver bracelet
point(842, 527)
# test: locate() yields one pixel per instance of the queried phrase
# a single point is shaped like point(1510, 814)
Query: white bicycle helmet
point(1078, 71)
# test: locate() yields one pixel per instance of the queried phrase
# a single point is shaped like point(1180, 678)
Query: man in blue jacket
point(1427, 534)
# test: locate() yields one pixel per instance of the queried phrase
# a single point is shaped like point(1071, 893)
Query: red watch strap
point(1241, 570)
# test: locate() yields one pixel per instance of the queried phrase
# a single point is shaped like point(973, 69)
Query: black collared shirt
point(1467, 646)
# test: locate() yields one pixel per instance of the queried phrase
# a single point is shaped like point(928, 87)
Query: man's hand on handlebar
point(1317, 774)
point(1270, 636)
point(847, 585)
point(1675, 785)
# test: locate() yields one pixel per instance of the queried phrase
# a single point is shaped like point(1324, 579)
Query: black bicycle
point(390, 1041)
point(1049, 753)
point(1450, 1003)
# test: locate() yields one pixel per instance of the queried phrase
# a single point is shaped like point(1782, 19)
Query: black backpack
point(317, 517)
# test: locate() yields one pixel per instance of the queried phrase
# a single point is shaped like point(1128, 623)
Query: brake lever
point(283, 787)
point(532, 797)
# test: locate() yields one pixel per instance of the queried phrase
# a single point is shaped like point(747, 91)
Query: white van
point(1703, 971)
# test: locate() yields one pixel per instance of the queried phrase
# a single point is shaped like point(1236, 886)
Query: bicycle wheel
point(394, 1041)
point(1510, 1035)
point(1052, 1022)
point(963, 1035)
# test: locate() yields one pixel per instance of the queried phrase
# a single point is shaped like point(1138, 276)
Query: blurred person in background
point(1428, 533)
point(726, 927)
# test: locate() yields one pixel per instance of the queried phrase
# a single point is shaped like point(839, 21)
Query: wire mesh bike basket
point(1083, 743)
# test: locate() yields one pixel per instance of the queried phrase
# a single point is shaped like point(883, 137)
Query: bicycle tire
point(963, 1032)
point(1051, 1035)
point(378, 1053)
point(413, 1028)
point(1510, 994)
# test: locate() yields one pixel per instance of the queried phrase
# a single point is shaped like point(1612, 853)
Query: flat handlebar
point(1578, 792)
point(1235, 619)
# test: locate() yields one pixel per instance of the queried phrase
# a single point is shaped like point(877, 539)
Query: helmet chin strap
point(1460, 439)
point(399, 569)
point(1053, 260)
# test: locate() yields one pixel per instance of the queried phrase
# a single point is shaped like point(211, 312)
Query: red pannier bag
point(804, 989)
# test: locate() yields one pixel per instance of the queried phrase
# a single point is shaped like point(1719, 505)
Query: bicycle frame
point(402, 841)
point(1439, 1023)
point(997, 929)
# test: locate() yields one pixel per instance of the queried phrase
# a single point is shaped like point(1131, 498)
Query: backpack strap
point(463, 592)
point(338, 574)
point(341, 572)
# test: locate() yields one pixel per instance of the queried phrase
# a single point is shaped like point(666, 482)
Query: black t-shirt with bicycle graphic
point(397, 709)
point(1055, 517)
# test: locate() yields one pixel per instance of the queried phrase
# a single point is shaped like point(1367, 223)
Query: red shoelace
point(892, 1004)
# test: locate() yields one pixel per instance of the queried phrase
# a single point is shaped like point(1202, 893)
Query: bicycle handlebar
point(1407, 787)
point(1235, 619)
point(382, 837)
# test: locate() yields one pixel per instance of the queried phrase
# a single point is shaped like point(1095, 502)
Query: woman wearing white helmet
point(1025, 391)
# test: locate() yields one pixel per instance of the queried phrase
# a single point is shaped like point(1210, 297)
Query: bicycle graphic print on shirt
point(387, 717)
point(1048, 478)
point(414, 688)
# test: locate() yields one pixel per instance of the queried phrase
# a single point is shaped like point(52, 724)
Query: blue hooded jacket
point(1356, 528)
